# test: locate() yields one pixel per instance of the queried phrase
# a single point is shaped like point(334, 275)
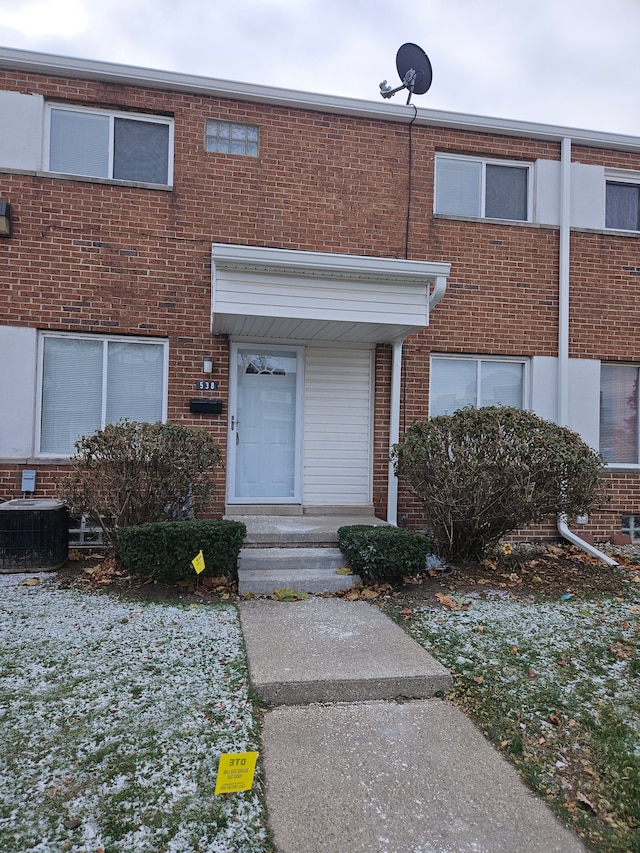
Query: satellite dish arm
point(408, 82)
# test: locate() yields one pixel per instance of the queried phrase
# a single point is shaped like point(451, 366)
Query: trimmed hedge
point(384, 553)
point(165, 549)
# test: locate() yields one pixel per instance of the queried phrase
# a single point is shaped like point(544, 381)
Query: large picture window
point(467, 186)
point(88, 382)
point(457, 382)
point(619, 413)
point(101, 144)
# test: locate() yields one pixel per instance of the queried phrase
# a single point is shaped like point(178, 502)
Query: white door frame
point(234, 346)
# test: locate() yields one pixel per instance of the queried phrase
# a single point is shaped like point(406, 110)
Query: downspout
point(563, 283)
point(436, 294)
point(394, 429)
point(563, 332)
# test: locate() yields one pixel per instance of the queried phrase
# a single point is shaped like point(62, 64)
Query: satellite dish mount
point(414, 69)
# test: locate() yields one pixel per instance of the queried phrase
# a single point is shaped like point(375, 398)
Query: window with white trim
point(88, 381)
point(475, 187)
point(459, 381)
point(622, 210)
point(619, 413)
point(104, 144)
point(226, 137)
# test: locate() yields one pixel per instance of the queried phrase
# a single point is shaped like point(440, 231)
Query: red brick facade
point(97, 256)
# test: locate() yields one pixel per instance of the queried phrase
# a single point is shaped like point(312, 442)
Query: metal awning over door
point(317, 296)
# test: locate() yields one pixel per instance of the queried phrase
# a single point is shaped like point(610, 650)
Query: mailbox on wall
point(203, 406)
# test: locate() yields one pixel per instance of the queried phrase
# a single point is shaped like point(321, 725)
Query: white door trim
point(234, 346)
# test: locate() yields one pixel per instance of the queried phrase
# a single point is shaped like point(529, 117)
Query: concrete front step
point(266, 582)
point(262, 571)
point(299, 530)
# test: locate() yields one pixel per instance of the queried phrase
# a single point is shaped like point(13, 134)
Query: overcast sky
point(567, 62)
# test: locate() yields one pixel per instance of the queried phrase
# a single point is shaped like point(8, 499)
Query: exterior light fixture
point(207, 365)
point(5, 219)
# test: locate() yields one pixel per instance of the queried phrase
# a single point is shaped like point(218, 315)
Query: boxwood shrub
point(165, 549)
point(384, 553)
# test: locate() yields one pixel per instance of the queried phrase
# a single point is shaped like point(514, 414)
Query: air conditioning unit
point(34, 535)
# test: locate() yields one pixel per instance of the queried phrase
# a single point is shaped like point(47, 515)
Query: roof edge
point(42, 63)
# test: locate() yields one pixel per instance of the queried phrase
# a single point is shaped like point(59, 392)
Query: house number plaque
point(207, 385)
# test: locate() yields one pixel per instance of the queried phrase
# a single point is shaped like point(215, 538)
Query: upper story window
point(469, 186)
point(623, 206)
point(89, 381)
point(226, 137)
point(619, 413)
point(459, 381)
point(116, 146)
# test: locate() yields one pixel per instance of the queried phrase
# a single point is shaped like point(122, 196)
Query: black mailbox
point(202, 406)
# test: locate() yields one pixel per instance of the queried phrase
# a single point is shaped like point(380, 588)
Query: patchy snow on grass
point(581, 653)
point(113, 716)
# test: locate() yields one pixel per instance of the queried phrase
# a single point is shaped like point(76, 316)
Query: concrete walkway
point(358, 756)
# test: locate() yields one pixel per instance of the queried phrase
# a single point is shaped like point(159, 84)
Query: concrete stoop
point(263, 570)
point(295, 552)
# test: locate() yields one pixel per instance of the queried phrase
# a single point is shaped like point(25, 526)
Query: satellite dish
point(414, 69)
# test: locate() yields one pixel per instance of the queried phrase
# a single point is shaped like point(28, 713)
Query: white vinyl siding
point(473, 187)
point(87, 382)
point(337, 426)
point(117, 146)
point(320, 308)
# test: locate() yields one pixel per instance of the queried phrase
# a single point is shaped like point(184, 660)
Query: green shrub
point(383, 553)
point(481, 473)
point(134, 473)
point(165, 550)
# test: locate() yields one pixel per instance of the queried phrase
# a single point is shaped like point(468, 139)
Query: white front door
point(265, 424)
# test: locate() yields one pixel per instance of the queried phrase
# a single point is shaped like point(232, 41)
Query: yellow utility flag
point(198, 562)
point(235, 772)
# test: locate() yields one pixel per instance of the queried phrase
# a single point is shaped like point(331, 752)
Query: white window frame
point(629, 466)
point(484, 162)
point(620, 176)
point(163, 342)
point(112, 115)
point(479, 360)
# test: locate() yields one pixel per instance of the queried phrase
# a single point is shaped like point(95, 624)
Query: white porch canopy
point(319, 296)
point(308, 296)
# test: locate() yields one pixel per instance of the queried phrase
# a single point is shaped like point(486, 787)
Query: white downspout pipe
point(394, 429)
point(563, 530)
point(435, 295)
point(563, 283)
point(563, 331)
point(439, 289)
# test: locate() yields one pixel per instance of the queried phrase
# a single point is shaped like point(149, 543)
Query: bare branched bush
point(481, 473)
point(132, 473)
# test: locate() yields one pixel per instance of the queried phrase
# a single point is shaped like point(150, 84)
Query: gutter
point(110, 72)
point(564, 278)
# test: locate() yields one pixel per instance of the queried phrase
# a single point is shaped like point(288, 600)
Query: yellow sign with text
point(235, 772)
point(198, 562)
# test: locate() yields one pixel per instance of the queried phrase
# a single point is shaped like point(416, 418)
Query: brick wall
point(104, 258)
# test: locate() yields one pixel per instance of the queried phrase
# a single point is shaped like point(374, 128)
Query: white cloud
point(552, 61)
point(39, 18)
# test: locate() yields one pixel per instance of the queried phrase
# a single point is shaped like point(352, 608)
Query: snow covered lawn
point(554, 684)
point(113, 715)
